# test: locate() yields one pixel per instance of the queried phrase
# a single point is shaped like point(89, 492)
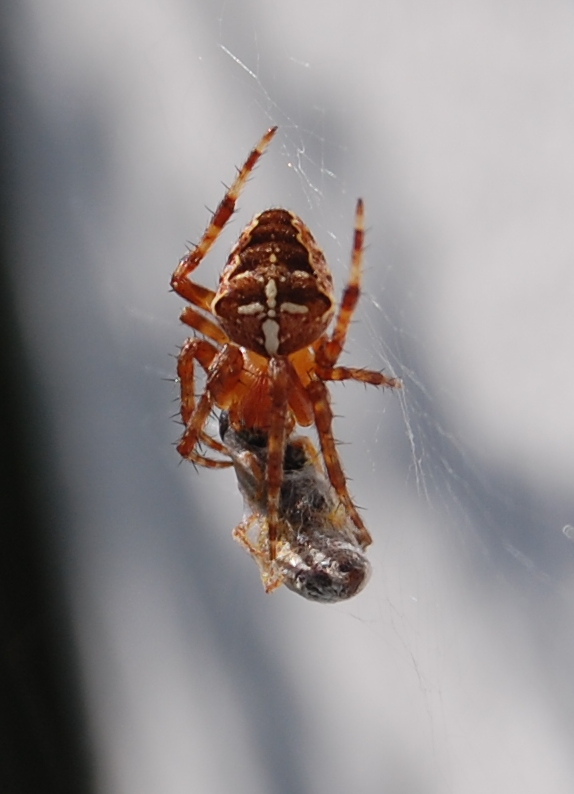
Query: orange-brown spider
point(267, 354)
point(317, 553)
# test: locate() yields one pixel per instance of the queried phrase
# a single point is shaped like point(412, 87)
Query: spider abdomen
point(275, 295)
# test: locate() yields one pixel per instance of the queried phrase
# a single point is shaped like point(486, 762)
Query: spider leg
point(203, 352)
point(194, 293)
point(193, 435)
point(208, 463)
point(328, 350)
point(223, 369)
point(319, 397)
point(216, 445)
point(359, 374)
point(279, 378)
point(203, 325)
point(331, 349)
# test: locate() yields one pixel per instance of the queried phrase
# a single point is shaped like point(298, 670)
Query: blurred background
point(139, 652)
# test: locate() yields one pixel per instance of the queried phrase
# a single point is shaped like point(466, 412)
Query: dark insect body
point(317, 554)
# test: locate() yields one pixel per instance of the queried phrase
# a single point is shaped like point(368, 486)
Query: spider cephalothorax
point(264, 343)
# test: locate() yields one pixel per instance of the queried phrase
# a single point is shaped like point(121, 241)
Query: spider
point(318, 555)
point(264, 343)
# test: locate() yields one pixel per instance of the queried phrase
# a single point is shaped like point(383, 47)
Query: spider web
point(452, 670)
point(495, 533)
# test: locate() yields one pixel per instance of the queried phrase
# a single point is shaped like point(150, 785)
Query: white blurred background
point(453, 671)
